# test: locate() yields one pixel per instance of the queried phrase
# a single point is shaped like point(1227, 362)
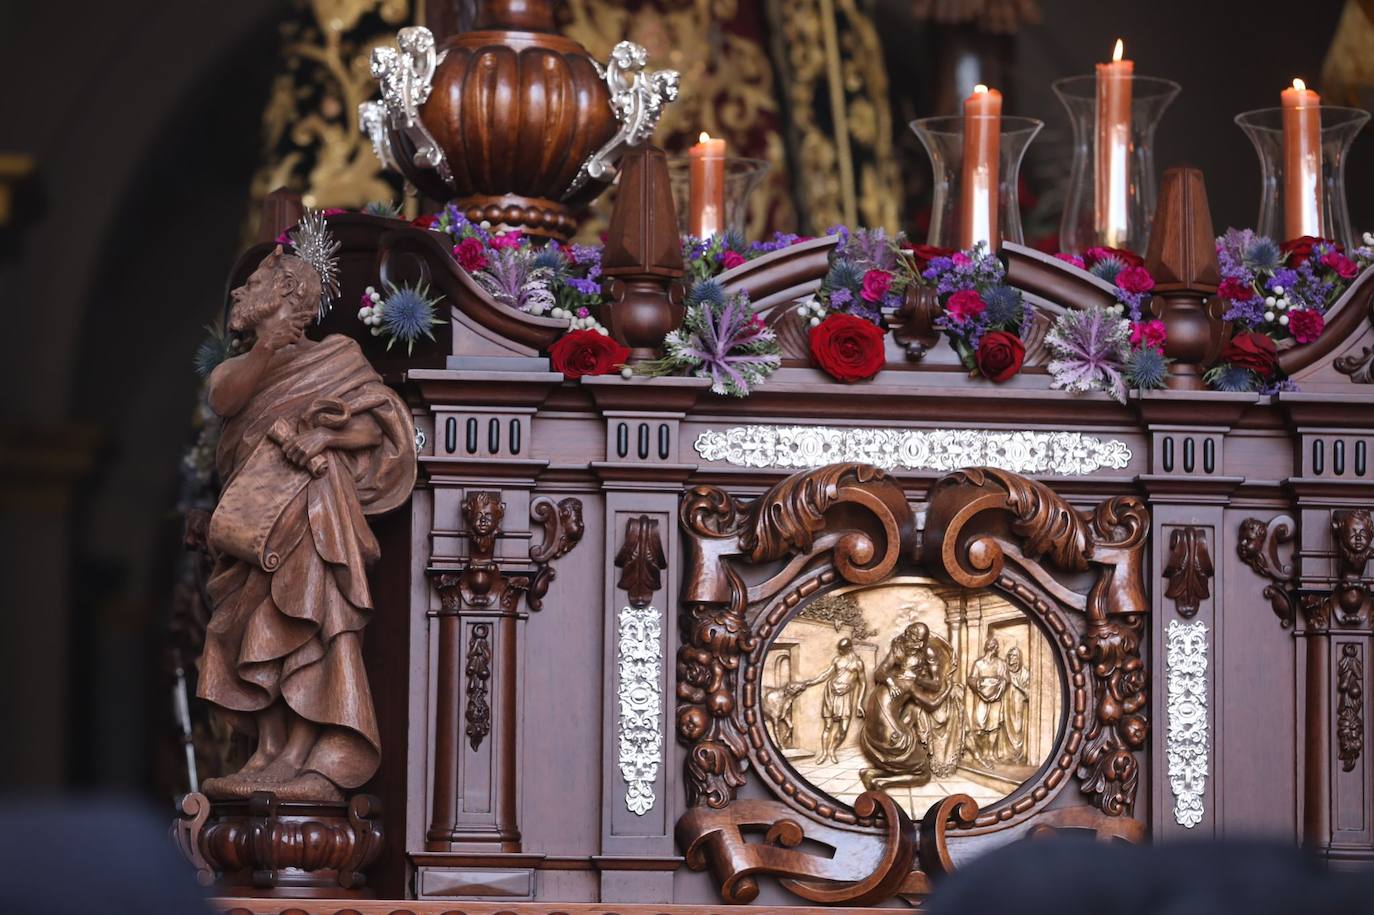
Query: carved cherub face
point(283, 285)
point(484, 513)
point(570, 514)
point(1355, 538)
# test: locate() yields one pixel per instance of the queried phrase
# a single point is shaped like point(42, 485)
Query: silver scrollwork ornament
point(639, 656)
point(637, 99)
point(405, 74)
point(1186, 745)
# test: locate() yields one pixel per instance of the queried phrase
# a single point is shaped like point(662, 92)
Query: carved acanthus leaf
point(1188, 569)
point(641, 560)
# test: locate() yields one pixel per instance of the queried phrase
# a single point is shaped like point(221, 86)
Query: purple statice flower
point(1249, 312)
point(1231, 250)
point(1312, 289)
point(840, 297)
point(1284, 278)
point(843, 233)
point(976, 270)
point(1134, 302)
point(1274, 387)
point(727, 343)
point(779, 241)
point(583, 286)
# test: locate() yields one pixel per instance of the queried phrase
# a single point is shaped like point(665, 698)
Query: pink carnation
point(1148, 334)
point(965, 304)
point(1135, 280)
point(960, 259)
point(1345, 268)
point(731, 259)
point(1306, 325)
point(507, 240)
point(875, 285)
point(1072, 259)
point(470, 255)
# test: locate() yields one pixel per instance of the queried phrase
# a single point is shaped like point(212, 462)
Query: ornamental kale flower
point(871, 248)
point(1147, 369)
point(511, 278)
point(1006, 307)
point(408, 315)
point(1262, 254)
point(726, 343)
point(1090, 346)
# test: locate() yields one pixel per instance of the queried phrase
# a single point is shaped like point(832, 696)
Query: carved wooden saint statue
point(313, 443)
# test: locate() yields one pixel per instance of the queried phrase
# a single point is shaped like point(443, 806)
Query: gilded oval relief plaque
point(915, 688)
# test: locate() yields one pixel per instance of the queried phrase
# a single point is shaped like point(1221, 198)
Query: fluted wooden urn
point(511, 121)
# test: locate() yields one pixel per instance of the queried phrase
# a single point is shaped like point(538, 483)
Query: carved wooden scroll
point(754, 568)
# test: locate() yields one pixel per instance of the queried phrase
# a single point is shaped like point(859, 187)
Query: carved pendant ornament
point(478, 711)
point(1188, 570)
point(802, 447)
point(1350, 714)
point(840, 661)
point(1186, 744)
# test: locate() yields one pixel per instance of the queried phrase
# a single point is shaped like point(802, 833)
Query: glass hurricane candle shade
point(943, 138)
point(742, 176)
point(1112, 183)
point(1332, 217)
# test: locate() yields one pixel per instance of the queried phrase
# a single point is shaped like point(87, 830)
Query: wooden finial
point(643, 254)
point(1182, 258)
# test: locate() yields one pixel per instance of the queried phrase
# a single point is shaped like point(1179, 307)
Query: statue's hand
point(305, 446)
point(275, 334)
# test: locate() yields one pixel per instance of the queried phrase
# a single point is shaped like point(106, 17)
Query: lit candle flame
point(1299, 84)
point(1118, 51)
point(980, 89)
point(704, 138)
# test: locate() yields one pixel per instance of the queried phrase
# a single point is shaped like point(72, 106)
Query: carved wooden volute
point(1182, 258)
point(644, 254)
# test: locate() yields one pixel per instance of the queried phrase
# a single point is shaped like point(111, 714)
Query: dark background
point(143, 117)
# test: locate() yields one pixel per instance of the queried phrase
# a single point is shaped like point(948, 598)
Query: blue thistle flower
point(214, 349)
point(551, 257)
point(1233, 379)
point(706, 292)
point(383, 208)
point(1147, 369)
point(408, 314)
point(734, 240)
point(1004, 305)
point(1262, 254)
point(1107, 268)
point(845, 274)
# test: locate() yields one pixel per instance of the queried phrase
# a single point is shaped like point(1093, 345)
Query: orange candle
point(707, 203)
point(982, 141)
point(1302, 161)
point(1112, 155)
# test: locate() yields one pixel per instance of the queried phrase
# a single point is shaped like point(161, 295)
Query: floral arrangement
point(720, 339)
point(1275, 293)
point(404, 314)
point(1097, 349)
point(1125, 270)
point(984, 318)
point(704, 258)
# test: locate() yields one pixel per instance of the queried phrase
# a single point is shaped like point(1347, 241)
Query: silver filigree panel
point(640, 664)
point(1187, 742)
point(798, 447)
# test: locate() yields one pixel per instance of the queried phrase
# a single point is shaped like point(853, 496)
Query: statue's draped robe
point(296, 632)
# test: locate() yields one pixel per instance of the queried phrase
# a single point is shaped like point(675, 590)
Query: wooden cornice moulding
point(1055, 280)
point(782, 276)
point(246, 906)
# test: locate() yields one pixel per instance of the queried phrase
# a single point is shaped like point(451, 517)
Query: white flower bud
point(1268, 316)
point(1283, 319)
point(603, 332)
point(1278, 290)
point(627, 372)
point(370, 290)
point(815, 322)
point(1269, 302)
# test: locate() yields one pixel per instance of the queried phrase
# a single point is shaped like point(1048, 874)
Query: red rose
point(1102, 252)
point(848, 348)
point(924, 254)
point(999, 355)
point(1235, 290)
point(470, 254)
point(965, 304)
point(586, 352)
point(1135, 280)
point(1300, 249)
point(731, 259)
point(425, 221)
point(1252, 351)
point(875, 285)
point(1305, 324)
point(1345, 268)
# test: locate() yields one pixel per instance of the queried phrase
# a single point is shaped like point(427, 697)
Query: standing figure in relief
point(1011, 746)
point(988, 681)
point(777, 710)
point(313, 443)
point(846, 687)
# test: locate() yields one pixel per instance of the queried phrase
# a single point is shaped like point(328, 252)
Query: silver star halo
point(317, 246)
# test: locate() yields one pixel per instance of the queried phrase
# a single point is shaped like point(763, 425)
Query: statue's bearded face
point(1014, 659)
point(281, 284)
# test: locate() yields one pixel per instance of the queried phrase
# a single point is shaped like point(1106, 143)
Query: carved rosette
point(1186, 746)
point(263, 844)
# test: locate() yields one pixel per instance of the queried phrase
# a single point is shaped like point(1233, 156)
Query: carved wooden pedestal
point(260, 847)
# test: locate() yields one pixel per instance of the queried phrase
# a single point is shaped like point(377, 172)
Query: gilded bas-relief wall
point(918, 689)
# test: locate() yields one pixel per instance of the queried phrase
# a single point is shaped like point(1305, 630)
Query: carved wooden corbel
point(641, 561)
point(1258, 547)
point(563, 529)
point(1037, 525)
point(1188, 570)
